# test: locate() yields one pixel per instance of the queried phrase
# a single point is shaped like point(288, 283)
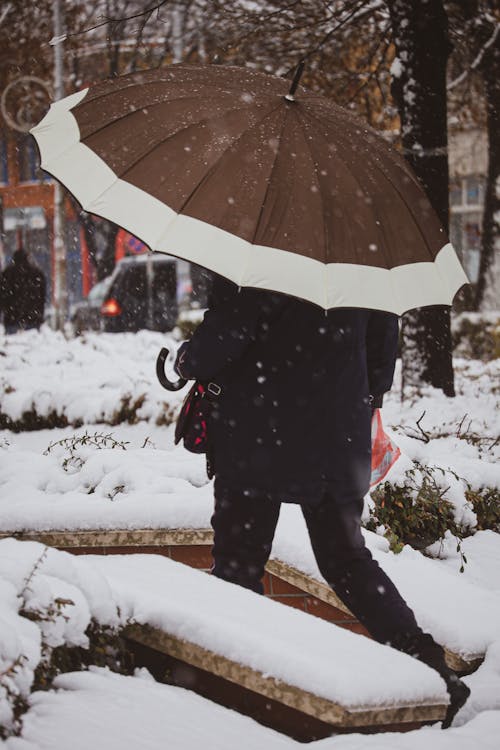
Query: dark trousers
point(244, 528)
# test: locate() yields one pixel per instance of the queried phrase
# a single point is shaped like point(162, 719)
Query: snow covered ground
point(104, 710)
point(98, 383)
point(137, 479)
point(140, 713)
point(85, 379)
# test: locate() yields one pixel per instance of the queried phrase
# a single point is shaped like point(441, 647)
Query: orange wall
point(18, 194)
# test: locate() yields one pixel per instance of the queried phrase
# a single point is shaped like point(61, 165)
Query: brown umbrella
point(223, 167)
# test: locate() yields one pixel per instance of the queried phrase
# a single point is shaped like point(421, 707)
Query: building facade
point(27, 214)
point(468, 161)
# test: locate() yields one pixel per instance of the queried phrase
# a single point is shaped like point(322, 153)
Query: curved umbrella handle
point(170, 385)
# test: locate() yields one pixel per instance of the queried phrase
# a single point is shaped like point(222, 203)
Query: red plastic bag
point(385, 453)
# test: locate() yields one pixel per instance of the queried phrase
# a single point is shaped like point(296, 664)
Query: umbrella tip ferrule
point(293, 88)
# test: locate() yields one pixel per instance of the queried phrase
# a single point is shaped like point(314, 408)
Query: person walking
point(292, 423)
point(22, 293)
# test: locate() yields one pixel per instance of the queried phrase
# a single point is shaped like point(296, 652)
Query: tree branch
point(478, 59)
point(5, 12)
point(108, 20)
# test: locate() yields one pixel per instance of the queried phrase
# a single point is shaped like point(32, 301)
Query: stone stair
point(297, 674)
point(283, 582)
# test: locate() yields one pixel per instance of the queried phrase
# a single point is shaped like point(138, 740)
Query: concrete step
point(277, 653)
point(284, 582)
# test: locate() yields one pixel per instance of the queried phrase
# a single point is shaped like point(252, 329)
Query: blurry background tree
point(421, 39)
point(388, 60)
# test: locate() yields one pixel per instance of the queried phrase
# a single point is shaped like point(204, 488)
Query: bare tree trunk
point(177, 32)
point(132, 66)
point(115, 32)
point(420, 31)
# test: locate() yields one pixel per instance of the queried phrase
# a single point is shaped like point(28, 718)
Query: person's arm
point(228, 329)
point(381, 351)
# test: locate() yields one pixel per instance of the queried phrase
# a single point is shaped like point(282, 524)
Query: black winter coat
point(22, 293)
point(294, 416)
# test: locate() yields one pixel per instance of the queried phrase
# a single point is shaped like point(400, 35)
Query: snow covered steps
point(463, 619)
point(341, 680)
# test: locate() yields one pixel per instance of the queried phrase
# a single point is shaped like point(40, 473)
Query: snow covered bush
point(421, 508)
point(188, 322)
point(75, 450)
point(57, 615)
point(477, 335)
point(485, 502)
point(50, 382)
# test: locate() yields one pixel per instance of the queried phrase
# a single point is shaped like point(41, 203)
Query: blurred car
point(86, 315)
point(142, 294)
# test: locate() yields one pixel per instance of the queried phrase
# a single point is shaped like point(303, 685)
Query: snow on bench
point(462, 616)
point(303, 662)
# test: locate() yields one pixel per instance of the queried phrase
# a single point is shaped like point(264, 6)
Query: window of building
point(456, 193)
point(466, 208)
point(473, 191)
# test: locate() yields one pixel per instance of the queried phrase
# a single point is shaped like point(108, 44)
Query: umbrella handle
point(170, 385)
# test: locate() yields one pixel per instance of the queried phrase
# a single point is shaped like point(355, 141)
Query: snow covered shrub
point(188, 322)
point(30, 420)
point(13, 703)
point(417, 510)
point(477, 335)
point(75, 450)
point(127, 411)
point(187, 328)
point(166, 416)
point(485, 502)
point(56, 616)
point(106, 648)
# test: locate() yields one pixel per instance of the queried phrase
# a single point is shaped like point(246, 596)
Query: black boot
point(458, 692)
point(423, 647)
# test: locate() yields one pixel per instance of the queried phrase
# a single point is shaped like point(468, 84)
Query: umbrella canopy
point(218, 166)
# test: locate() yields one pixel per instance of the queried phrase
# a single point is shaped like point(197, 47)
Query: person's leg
point(349, 568)
point(244, 528)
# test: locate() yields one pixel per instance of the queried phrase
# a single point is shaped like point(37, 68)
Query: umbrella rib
point(221, 156)
point(391, 183)
point(196, 124)
point(110, 123)
point(315, 173)
point(308, 146)
point(252, 243)
point(273, 167)
point(192, 68)
point(206, 175)
point(343, 162)
point(374, 140)
point(132, 86)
